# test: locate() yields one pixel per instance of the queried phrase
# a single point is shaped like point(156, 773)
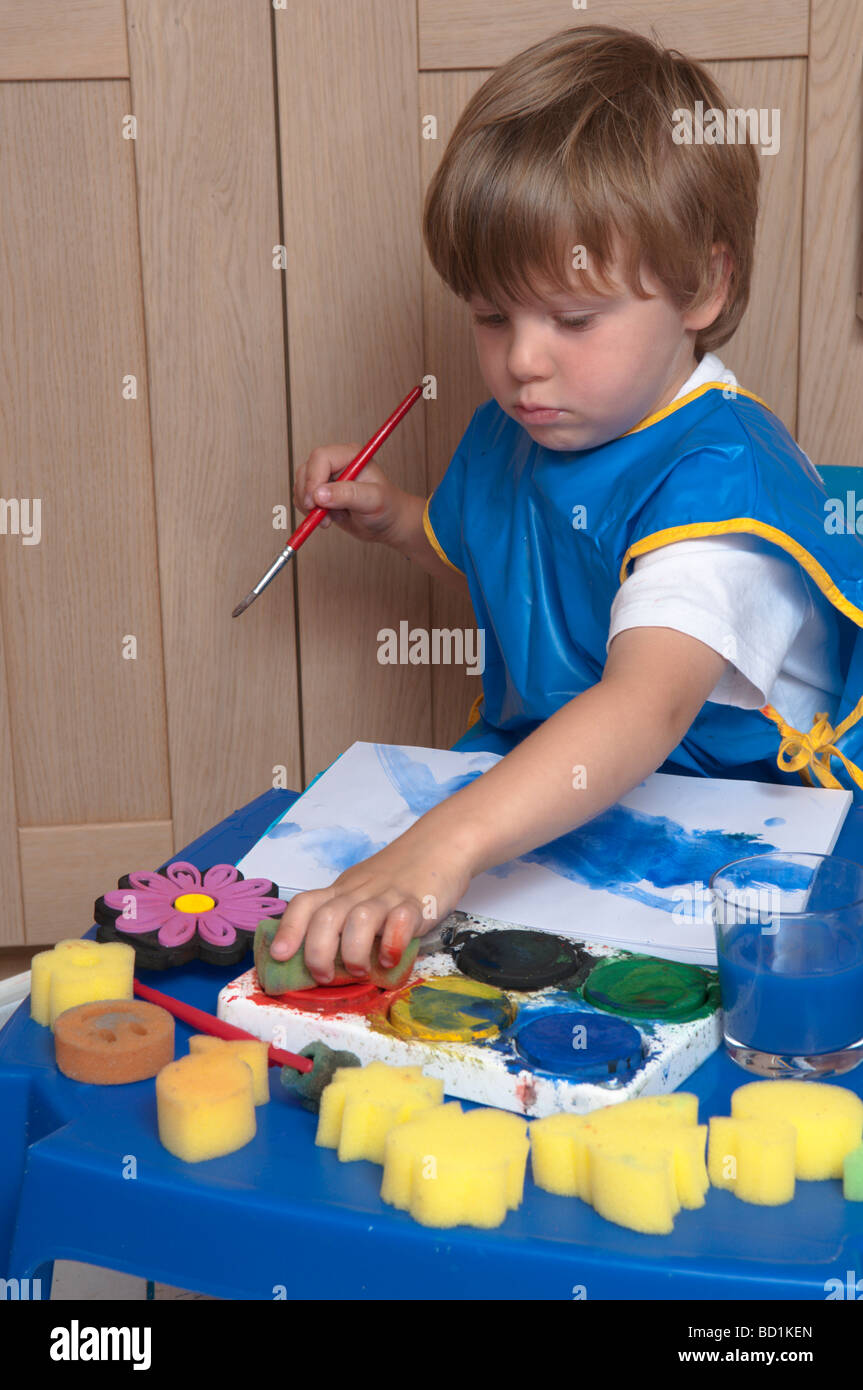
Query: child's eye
point(494, 320)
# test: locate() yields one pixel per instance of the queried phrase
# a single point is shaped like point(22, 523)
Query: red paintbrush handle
point(317, 514)
point(208, 1023)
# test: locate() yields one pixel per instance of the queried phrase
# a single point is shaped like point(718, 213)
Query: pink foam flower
point(164, 902)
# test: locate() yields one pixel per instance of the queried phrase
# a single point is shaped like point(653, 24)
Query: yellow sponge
point(679, 1108)
point(558, 1154)
point(754, 1159)
point(559, 1143)
point(79, 972)
point(828, 1120)
point(637, 1162)
point(634, 1188)
point(362, 1103)
point(641, 1177)
point(249, 1050)
point(41, 967)
point(448, 1168)
point(205, 1105)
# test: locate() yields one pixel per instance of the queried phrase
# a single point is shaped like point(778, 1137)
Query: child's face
point(602, 364)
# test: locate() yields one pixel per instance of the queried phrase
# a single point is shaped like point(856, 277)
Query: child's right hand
point(368, 508)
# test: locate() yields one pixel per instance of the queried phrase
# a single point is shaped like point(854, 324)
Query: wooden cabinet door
point(212, 262)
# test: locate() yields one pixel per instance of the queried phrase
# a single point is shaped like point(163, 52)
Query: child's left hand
point(398, 893)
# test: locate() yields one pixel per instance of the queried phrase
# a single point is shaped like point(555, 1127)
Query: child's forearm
point(410, 539)
point(578, 762)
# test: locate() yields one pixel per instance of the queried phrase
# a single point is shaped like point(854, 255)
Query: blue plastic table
point(84, 1177)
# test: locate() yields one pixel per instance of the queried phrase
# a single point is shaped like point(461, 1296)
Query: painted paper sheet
point(635, 875)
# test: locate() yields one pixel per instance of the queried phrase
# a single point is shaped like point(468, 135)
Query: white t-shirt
point(750, 602)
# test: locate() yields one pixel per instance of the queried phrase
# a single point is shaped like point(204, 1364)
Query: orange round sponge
point(113, 1041)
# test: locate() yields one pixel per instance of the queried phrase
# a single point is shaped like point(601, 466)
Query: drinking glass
point(789, 942)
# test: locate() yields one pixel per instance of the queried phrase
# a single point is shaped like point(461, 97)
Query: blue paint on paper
point(284, 829)
point(414, 781)
point(621, 848)
point(336, 847)
point(619, 851)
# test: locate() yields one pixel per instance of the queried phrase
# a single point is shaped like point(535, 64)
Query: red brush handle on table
point(208, 1023)
point(317, 514)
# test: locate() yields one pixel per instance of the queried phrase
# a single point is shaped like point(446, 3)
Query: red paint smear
point(362, 998)
point(338, 999)
point(525, 1090)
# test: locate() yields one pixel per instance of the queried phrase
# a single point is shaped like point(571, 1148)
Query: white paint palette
point(615, 1026)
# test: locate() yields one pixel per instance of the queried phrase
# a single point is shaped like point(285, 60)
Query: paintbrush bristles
point(241, 607)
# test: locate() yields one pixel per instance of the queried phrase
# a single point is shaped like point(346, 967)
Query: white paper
point(635, 876)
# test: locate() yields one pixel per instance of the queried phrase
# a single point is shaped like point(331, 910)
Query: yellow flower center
point(194, 902)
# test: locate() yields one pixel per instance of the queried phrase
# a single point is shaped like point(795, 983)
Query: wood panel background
point(208, 220)
point(463, 34)
point(347, 98)
point(253, 261)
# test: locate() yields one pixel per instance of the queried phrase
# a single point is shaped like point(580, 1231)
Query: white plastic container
point(12, 992)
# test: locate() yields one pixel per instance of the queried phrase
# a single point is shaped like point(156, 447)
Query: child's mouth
point(538, 415)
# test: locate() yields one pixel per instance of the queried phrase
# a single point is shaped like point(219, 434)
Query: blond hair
point(571, 142)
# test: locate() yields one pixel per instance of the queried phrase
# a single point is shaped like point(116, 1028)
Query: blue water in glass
point(798, 992)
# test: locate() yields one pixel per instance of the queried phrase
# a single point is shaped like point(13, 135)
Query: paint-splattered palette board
point(521, 1020)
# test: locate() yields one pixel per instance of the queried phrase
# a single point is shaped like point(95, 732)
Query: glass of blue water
point(789, 942)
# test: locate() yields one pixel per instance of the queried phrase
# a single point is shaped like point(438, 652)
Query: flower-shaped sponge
point(79, 972)
point(361, 1104)
point(450, 1168)
point(171, 916)
point(637, 1163)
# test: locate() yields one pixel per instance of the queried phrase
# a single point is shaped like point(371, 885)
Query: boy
point(643, 542)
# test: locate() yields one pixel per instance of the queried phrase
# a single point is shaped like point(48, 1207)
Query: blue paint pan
point(582, 1045)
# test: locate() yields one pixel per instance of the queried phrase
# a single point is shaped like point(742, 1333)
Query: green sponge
point(852, 1175)
point(307, 1086)
point(279, 976)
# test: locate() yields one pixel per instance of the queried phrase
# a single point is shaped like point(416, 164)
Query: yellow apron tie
point(798, 752)
point(474, 711)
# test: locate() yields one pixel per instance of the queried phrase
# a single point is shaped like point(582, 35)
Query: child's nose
point(528, 357)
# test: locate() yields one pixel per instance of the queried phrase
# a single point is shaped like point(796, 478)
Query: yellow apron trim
point(758, 528)
point(433, 540)
point(474, 711)
point(798, 752)
point(691, 396)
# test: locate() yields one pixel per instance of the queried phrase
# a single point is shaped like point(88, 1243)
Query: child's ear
point(721, 265)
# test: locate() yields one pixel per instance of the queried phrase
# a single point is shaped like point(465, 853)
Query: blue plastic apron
point(545, 538)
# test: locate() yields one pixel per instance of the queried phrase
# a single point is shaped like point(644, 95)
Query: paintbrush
point(307, 526)
point(306, 1074)
point(217, 1027)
